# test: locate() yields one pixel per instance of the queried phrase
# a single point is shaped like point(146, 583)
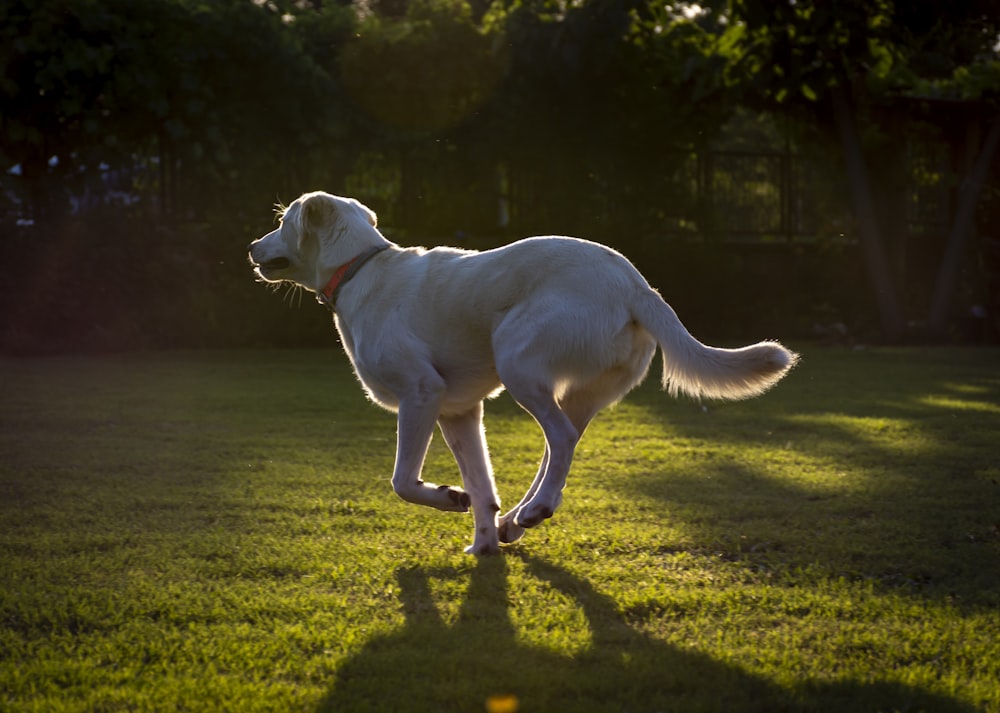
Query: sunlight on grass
point(217, 531)
point(954, 404)
point(890, 434)
point(985, 389)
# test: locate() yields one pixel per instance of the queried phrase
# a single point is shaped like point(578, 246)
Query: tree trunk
point(961, 228)
point(871, 237)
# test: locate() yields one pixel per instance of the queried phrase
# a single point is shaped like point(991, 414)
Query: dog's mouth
point(278, 263)
point(272, 265)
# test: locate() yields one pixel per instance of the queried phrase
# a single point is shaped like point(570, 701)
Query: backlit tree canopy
point(593, 117)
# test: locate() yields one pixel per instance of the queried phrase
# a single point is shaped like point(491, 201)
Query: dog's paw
point(483, 549)
point(458, 499)
point(533, 514)
point(508, 532)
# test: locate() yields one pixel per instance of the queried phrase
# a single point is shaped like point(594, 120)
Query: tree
point(600, 103)
point(217, 90)
point(423, 72)
point(56, 75)
point(850, 58)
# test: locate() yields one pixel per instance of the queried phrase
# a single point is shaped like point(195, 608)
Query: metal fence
point(716, 195)
point(727, 196)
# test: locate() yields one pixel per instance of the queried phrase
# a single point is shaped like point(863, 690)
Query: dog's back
point(583, 299)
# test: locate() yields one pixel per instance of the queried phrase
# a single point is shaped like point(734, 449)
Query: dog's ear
point(365, 211)
point(369, 213)
point(316, 210)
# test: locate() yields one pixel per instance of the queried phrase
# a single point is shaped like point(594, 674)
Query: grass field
point(216, 531)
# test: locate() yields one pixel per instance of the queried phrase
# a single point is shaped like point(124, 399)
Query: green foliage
point(252, 97)
point(794, 52)
point(495, 119)
point(426, 71)
point(798, 50)
point(57, 64)
point(187, 82)
point(216, 531)
point(853, 69)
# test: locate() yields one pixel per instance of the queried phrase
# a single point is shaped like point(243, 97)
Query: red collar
point(328, 295)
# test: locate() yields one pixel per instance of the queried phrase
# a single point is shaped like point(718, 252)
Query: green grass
point(216, 531)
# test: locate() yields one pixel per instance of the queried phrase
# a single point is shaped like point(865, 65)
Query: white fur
point(567, 326)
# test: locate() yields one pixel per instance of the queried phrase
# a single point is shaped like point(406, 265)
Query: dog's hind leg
point(562, 364)
point(580, 404)
point(561, 436)
point(509, 531)
point(418, 412)
point(465, 437)
point(579, 410)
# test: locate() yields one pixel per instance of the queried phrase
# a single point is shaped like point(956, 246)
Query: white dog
point(567, 326)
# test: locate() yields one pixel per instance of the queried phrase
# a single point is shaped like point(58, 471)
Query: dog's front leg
point(466, 438)
point(417, 415)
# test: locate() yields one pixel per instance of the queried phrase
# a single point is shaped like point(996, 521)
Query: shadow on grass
point(430, 664)
point(873, 466)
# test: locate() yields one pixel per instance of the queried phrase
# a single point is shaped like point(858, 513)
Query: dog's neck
point(342, 275)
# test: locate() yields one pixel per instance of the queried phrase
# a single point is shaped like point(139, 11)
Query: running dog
point(567, 326)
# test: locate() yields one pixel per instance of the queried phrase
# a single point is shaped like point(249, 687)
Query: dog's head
point(318, 232)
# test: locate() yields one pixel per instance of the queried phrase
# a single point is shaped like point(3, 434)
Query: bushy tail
point(701, 371)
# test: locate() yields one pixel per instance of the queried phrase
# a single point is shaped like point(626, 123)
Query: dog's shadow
point(480, 659)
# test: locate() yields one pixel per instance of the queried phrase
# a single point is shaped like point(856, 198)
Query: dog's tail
point(702, 371)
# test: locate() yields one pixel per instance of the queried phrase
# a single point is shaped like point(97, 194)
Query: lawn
point(217, 531)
